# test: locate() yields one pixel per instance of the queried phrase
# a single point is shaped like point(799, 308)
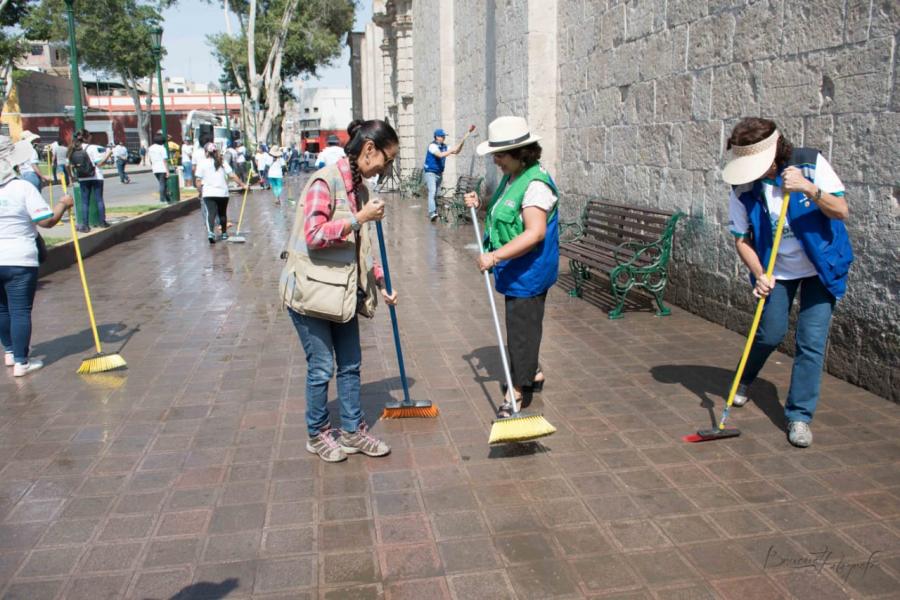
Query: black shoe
point(83, 229)
point(105, 225)
point(212, 239)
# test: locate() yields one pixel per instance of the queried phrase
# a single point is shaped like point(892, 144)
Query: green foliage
point(112, 36)
point(12, 43)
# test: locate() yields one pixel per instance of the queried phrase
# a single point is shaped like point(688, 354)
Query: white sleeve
point(826, 178)
point(200, 173)
point(433, 148)
point(540, 195)
point(37, 207)
point(228, 169)
point(739, 223)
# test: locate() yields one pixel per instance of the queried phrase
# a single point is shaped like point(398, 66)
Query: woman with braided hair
point(330, 277)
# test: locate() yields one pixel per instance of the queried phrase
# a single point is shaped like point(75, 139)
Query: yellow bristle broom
point(518, 427)
point(237, 238)
point(100, 362)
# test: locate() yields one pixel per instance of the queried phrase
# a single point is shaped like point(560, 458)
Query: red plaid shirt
point(318, 227)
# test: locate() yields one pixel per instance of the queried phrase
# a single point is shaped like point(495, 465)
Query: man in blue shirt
point(433, 169)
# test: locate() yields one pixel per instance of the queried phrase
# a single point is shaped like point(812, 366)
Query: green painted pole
point(79, 110)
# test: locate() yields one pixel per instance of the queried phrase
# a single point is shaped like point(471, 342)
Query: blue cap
point(440, 133)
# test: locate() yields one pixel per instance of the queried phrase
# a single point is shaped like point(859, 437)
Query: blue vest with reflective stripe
point(433, 164)
point(824, 240)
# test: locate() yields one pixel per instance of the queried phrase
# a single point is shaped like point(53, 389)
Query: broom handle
point(759, 310)
point(244, 202)
point(50, 168)
point(387, 286)
point(490, 290)
point(84, 285)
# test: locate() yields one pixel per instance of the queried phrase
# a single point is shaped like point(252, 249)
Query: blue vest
point(533, 273)
point(824, 240)
point(433, 164)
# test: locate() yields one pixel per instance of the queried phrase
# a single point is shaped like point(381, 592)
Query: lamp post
point(94, 216)
point(227, 120)
point(2, 93)
point(156, 43)
point(243, 116)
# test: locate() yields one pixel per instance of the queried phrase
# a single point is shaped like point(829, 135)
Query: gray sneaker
point(740, 396)
point(362, 441)
point(799, 434)
point(326, 446)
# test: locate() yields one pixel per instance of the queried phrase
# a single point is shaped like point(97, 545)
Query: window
point(315, 109)
point(306, 110)
point(37, 50)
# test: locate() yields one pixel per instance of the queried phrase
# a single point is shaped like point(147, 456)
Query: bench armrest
point(570, 231)
point(635, 250)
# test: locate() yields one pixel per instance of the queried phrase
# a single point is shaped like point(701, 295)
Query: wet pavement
point(186, 476)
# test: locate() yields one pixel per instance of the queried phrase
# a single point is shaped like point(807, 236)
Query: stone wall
point(643, 96)
point(649, 91)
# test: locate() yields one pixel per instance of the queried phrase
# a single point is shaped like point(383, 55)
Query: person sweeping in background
point(329, 278)
point(433, 169)
point(813, 258)
point(521, 245)
point(212, 181)
point(276, 173)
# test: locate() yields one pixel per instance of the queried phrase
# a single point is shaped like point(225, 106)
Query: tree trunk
point(143, 117)
point(272, 72)
point(6, 74)
point(255, 81)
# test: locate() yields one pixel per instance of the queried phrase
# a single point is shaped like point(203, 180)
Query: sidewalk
point(186, 476)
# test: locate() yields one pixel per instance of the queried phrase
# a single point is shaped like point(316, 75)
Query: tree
point(284, 39)
point(12, 43)
point(113, 38)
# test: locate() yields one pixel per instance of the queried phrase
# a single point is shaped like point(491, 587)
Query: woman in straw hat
point(21, 208)
point(814, 256)
point(276, 172)
point(521, 244)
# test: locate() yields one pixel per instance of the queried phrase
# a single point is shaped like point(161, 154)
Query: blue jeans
point(32, 178)
point(163, 190)
point(816, 305)
point(323, 342)
point(433, 182)
point(120, 167)
point(61, 169)
point(17, 287)
point(91, 188)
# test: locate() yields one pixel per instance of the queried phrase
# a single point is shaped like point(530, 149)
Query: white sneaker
point(23, 369)
point(9, 359)
point(740, 396)
point(799, 434)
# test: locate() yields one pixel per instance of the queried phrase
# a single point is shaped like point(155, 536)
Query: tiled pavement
point(186, 475)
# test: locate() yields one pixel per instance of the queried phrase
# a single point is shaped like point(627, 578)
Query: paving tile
point(410, 561)
point(488, 585)
point(740, 522)
point(524, 547)
point(433, 588)
point(348, 535)
point(51, 562)
point(403, 529)
point(242, 517)
point(458, 525)
point(160, 584)
point(543, 579)
point(720, 559)
point(349, 568)
point(468, 555)
point(34, 590)
point(126, 528)
point(748, 588)
point(76, 531)
point(232, 546)
point(101, 587)
point(164, 553)
point(684, 530)
point(110, 557)
point(583, 540)
point(661, 567)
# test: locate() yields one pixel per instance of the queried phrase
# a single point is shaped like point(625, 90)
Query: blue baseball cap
point(440, 133)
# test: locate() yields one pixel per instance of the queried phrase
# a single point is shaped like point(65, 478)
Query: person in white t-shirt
point(187, 162)
point(120, 153)
point(276, 173)
point(84, 163)
point(261, 159)
point(21, 208)
point(331, 154)
point(158, 158)
point(212, 180)
point(240, 161)
point(30, 169)
point(60, 152)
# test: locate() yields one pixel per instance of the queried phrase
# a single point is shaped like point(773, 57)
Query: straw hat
point(276, 152)
point(28, 136)
point(506, 133)
point(12, 155)
point(749, 163)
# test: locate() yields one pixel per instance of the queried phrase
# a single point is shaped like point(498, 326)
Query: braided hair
point(381, 134)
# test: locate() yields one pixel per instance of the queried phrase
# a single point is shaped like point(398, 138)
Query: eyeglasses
point(387, 161)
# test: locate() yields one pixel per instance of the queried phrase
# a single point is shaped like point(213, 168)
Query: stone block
point(812, 25)
point(856, 24)
point(885, 18)
point(609, 106)
point(711, 41)
point(701, 145)
point(654, 145)
point(624, 64)
point(701, 96)
point(622, 145)
point(612, 27)
point(674, 98)
point(663, 54)
point(818, 133)
point(788, 87)
point(640, 103)
point(676, 192)
point(765, 16)
point(643, 18)
point(860, 144)
point(679, 12)
point(854, 77)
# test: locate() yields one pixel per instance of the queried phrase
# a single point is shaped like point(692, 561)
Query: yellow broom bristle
point(101, 363)
point(520, 429)
point(410, 412)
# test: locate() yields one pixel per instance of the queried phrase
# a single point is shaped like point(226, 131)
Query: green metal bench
point(452, 205)
point(413, 183)
point(632, 245)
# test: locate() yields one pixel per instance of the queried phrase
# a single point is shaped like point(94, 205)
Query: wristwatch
point(355, 225)
point(818, 195)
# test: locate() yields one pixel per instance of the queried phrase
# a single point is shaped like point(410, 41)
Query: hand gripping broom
point(705, 435)
point(518, 427)
point(407, 408)
point(100, 362)
point(237, 238)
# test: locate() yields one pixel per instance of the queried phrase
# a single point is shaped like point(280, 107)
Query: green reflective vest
point(504, 214)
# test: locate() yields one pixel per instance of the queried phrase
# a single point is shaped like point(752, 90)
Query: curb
point(62, 255)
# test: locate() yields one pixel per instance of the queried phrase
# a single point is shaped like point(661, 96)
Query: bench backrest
point(617, 223)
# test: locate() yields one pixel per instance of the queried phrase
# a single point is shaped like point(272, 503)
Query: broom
point(408, 408)
point(100, 362)
point(237, 238)
point(518, 427)
point(718, 433)
point(50, 169)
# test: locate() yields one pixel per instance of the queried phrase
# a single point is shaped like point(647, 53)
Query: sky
point(184, 37)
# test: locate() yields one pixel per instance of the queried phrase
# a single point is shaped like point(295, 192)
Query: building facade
point(634, 101)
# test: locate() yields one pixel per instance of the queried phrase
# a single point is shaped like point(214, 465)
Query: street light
point(227, 120)
point(156, 45)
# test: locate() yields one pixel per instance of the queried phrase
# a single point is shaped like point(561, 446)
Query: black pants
point(524, 330)
point(163, 189)
point(216, 207)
